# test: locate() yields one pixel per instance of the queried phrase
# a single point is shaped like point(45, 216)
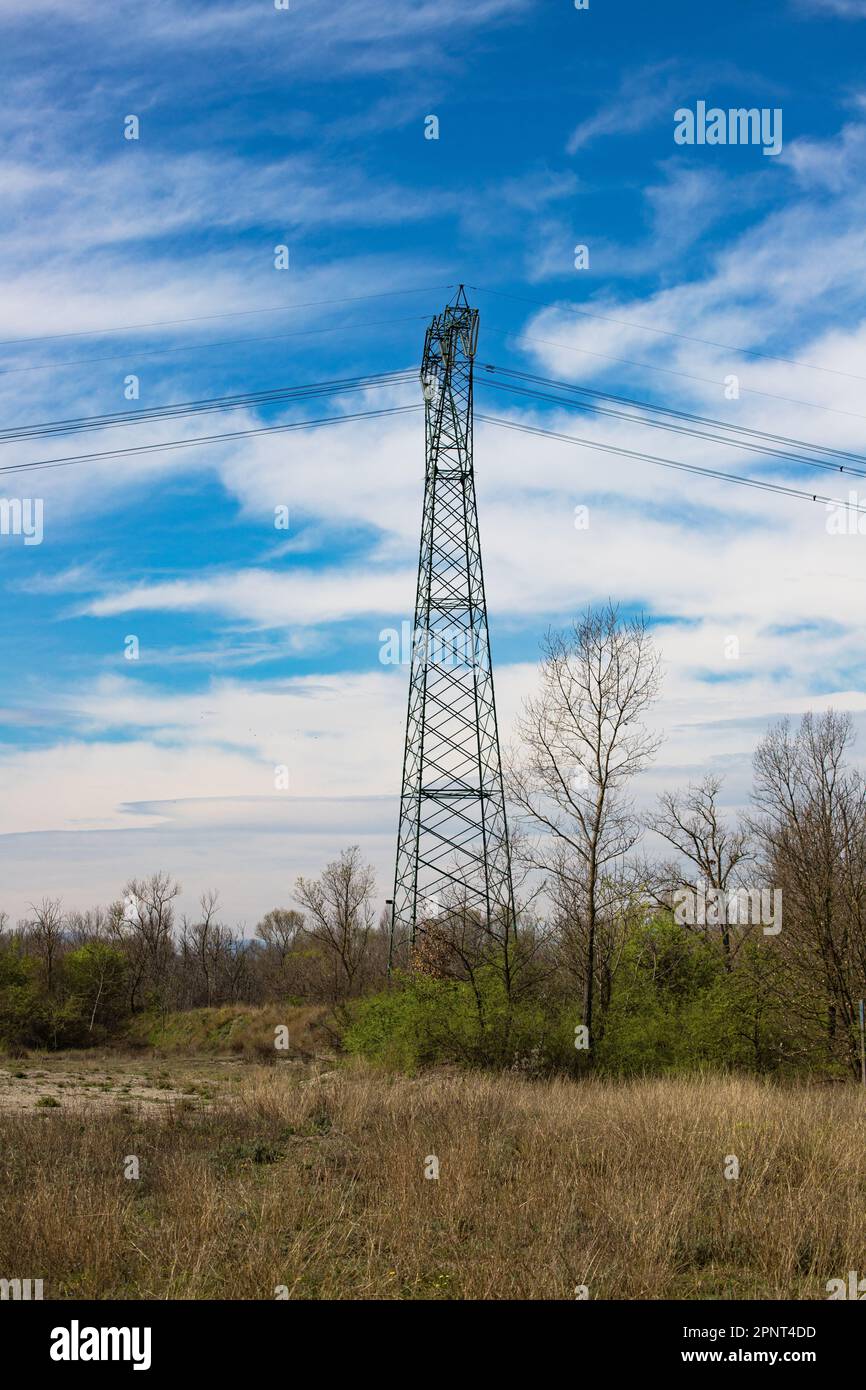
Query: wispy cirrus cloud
point(845, 9)
point(343, 38)
point(643, 96)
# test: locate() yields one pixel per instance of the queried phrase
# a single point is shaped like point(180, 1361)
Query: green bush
point(87, 1003)
point(421, 1021)
point(94, 979)
point(24, 1013)
point(675, 1006)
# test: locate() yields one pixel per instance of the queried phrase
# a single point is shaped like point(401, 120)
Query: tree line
point(640, 941)
point(68, 978)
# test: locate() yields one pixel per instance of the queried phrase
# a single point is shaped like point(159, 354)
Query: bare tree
point(234, 975)
point(583, 741)
point(144, 921)
point(202, 944)
point(811, 825)
point(279, 932)
point(341, 919)
point(85, 927)
point(44, 932)
point(692, 823)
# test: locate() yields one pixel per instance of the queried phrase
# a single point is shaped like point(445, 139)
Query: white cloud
point(264, 598)
point(643, 96)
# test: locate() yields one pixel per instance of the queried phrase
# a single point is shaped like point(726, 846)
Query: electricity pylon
point(452, 847)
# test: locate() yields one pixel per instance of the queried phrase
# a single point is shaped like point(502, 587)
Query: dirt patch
point(50, 1084)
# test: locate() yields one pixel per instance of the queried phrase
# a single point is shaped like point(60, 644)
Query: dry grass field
point(312, 1176)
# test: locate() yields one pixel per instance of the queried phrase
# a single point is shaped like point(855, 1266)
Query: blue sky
point(260, 648)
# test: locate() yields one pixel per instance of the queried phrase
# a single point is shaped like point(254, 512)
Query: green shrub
point(94, 978)
point(24, 1012)
point(676, 1007)
point(421, 1022)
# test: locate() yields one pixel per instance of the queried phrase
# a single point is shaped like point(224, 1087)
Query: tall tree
point(583, 740)
point(145, 921)
point(811, 824)
point(279, 932)
point(341, 917)
point(44, 933)
point(203, 944)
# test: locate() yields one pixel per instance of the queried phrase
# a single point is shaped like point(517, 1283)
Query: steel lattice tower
point(452, 847)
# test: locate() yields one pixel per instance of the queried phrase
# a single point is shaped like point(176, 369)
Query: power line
point(746, 435)
point(232, 314)
point(670, 371)
point(516, 382)
point(217, 403)
point(69, 460)
point(670, 410)
point(526, 386)
point(708, 435)
point(668, 333)
point(669, 463)
point(619, 451)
